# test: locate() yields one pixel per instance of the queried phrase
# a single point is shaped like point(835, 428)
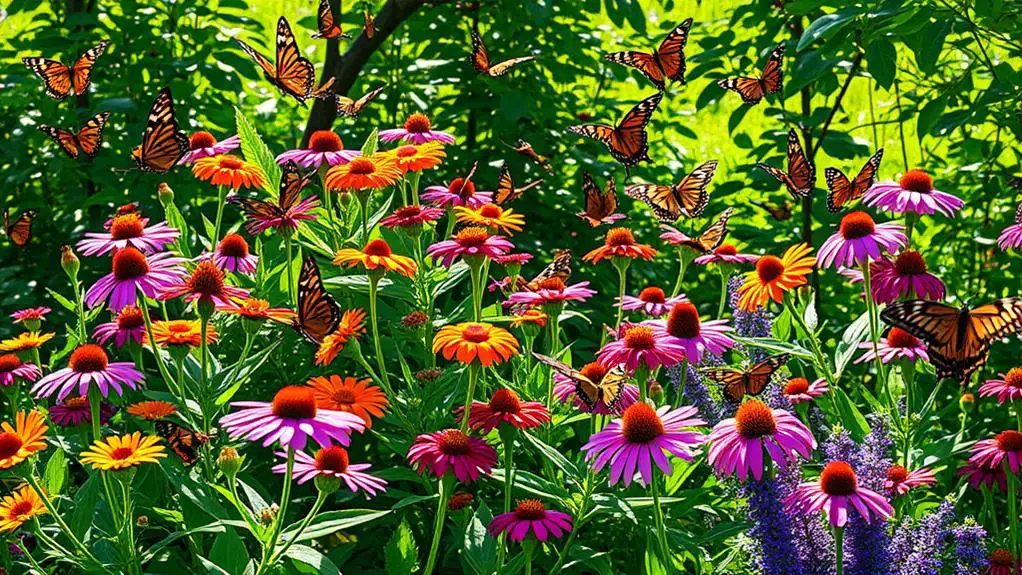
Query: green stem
point(1012, 510)
point(682, 264)
point(374, 283)
point(320, 500)
point(129, 526)
point(622, 267)
point(204, 370)
point(363, 203)
point(34, 483)
point(290, 272)
point(555, 344)
point(82, 335)
point(680, 392)
point(446, 485)
point(221, 194)
point(285, 498)
point(723, 294)
point(821, 359)
point(475, 269)
point(171, 385)
point(473, 376)
point(874, 328)
point(839, 552)
point(586, 500)
point(507, 438)
point(661, 530)
point(242, 510)
point(415, 187)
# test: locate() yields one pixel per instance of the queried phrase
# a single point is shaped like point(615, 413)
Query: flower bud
point(327, 484)
point(269, 514)
point(656, 391)
point(142, 521)
point(70, 262)
point(229, 461)
point(460, 500)
point(967, 402)
point(165, 194)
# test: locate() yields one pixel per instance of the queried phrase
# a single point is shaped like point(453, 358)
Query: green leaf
point(55, 473)
point(66, 303)
point(331, 522)
point(854, 334)
point(86, 504)
point(929, 115)
point(229, 553)
point(308, 556)
point(881, 60)
point(826, 26)
point(371, 144)
point(776, 346)
point(570, 470)
point(480, 550)
point(257, 152)
point(401, 555)
point(929, 44)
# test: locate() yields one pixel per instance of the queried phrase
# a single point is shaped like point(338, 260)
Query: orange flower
point(491, 216)
point(620, 243)
point(230, 171)
point(20, 442)
point(19, 507)
point(376, 171)
point(530, 316)
point(774, 276)
point(352, 324)
point(26, 341)
point(259, 309)
point(411, 158)
point(470, 340)
point(180, 332)
point(376, 255)
point(152, 410)
point(351, 395)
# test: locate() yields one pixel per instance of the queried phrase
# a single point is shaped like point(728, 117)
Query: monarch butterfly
point(780, 213)
point(627, 141)
point(369, 26)
point(506, 190)
point(62, 81)
point(293, 74)
point(842, 191)
point(689, 197)
point(259, 211)
point(666, 63)
point(737, 383)
point(348, 108)
point(711, 238)
point(481, 60)
point(752, 90)
point(21, 230)
point(125, 209)
point(524, 148)
point(801, 175)
point(326, 22)
point(318, 313)
point(183, 441)
point(559, 267)
point(607, 391)
point(601, 205)
point(957, 339)
point(87, 139)
point(163, 144)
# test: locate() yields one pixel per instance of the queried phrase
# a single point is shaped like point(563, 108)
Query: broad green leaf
point(826, 26)
point(480, 550)
point(257, 152)
point(55, 473)
point(331, 522)
point(881, 61)
point(306, 555)
point(401, 555)
point(63, 301)
point(229, 553)
point(371, 144)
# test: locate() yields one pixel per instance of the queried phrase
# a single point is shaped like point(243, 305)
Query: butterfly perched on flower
point(62, 81)
point(628, 141)
point(667, 62)
point(506, 190)
point(20, 231)
point(710, 239)
point(841, 190)
point(292, 74)
point(958, 339)
point(327, 24)
point(524, 148)
point(163, 143)
point(752, 90)
point(605, 392)
point(318, 313)
point(480, 59)
point(601, 205)
point(87, 140)
point(262, 214)
point(780, 212)
point(688, 197)
point(184, 442)
point(800, 178)
point(741, 382)
point(559, 267)
point(348, 108)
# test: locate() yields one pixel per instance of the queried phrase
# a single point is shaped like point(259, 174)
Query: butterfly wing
point(559, 267)
point(295, 75)
point(660, 199)
point(81, 71)
point(759, 376)
point(21, 230)
point(733, 382)
point(480, 58)
point(291, 184)
point(648, 64)
point(56, 76)
point(1018, 214)
point(505, 187)
point(839, 189)
point(65, 139)
point(184, 442)
point(326, 23)
point(611, 388)
point(599, 204)
point(268, 68)
point(670, 56)
point(750, 89)
point(692, 194)
point(318, 313)
point(801, 172)
point(868, 174)
point(356, 107)
point(369, 26)
point(714, 235)
point(773, 77)
point(629, 141)
point(91, 135)
point(505, 66)
point(941, 327)
point(163, 144)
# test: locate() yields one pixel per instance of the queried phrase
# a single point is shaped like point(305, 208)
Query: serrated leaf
point(371, 144)
point(401, 555)
point(480, 550)
point(257, 152)
point(63, 301)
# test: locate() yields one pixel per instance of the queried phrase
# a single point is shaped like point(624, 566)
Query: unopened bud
point(967, 402)
point(327, 484)
point(229, 461)
point(460, 500)
point(70, 262)
point(142, 521)
point(165, 194)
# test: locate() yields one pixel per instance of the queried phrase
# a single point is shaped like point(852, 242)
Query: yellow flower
point(228, 170)
point(774, 276)
point(180, 332)
point(26, 341)
point(19, 507)
point(491, 216)
point(412, 158)
point(124, 452)
point(376, 171)
point(20, 442)
point(376, 255)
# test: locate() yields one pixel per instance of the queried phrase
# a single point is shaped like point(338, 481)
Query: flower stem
point(473, 376)
point(874, 329)
point(682, 264)
point(80, 307)
point(475, 272)
point(622, 267)
point(679, 393)
point(129, 526)
point(34, 483)
point(415, 187)
point(285, 498)
point(328, 204)
point(821, 359)
point(221, 193)
point(446, 485)
point(374, 284)
point(171, 384)
point(723, 294)
point(839, 552)
point(555, 344)
point(320, 500)
point(661, 530)
point(290, 272)
point(1012, 509)
point(507, 438)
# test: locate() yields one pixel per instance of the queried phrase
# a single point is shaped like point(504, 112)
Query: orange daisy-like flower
point(774, 276)
point(376, 255)
point(375, 172)
point(530, 316)
point(470, 341)
point(620, 243)
point(411, 158)
point(230, 171)
point(351, 395)
point(259, 309)
point(352, 324)
point(180, 332)
point(26, 341)
point(19, 507)
point(491, 216)
point(152, 410)
point(26, 438)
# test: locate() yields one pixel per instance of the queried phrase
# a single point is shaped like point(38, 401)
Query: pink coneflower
point(204, 145)
point(530, 515)
point(1007, 388)
point(620, 243)
point(565, 389)
point(88, 364)
point(1002, 562)
point(898, 344)
point(459, 193)
point(900, 480)
point(205, 284)
point(640, 437)
point(980, 476)
point(553, 290)
point(129, 230)
point(736, 444)
point(75, 411)
point(32, 314)
point(836, 492)
point(325, 147)
point(860, 239)
point(128, 325)
point(134, 272)
point(640, 344)
point(652, 301)
point(913, 193)
point(724, 254)
point(517, 259)
point(281, 219)
point(332, 462)
point(469, 242)
point(684, 329)
point(12, 367)
point(505, 407)
point(1011, 236)
point(232, 255)
point(906, 276)
point(290, 420)
point(451, 450)
point(412, 217)
point(799, 389)
point(1005, 446)
point(417, 130)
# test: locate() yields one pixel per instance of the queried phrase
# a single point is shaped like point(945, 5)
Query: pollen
point(653, 294)
point(1013, 378)
point(378, 248)
point(295, 402)
point(325, 141)
point(361, 166)
point(201, 140)
point(900, 338)
point(233, 246)
point(726, 250)
point(126, 227)
point(476, 333)
point(418, 124)
point(472, 237)
point(755, 419)
point(620, 237)
point(683, 321)
point(130, 318)
point(897, 474)
point(909, 263)
point(9, 362)
point(641, 424)
point(857, 225)
point(207, 279)
point(121, 453)
point(769, 268)
point(454, 442)
point(88, 358)
point(640, 337)
point(129, 263)
point(505, 401)
point(917, 181)
point(838, 478)
point(332, 459)
point(530, 510)
point(491, 211)
point(796, 386)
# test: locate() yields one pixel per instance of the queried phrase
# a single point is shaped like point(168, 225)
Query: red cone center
point(838, 478)
point(234, 246)
point(10, 444)
point(898, 337)
point(332, 459)
point(640, 337)
point(917, 181)
point(325, 141)
point(418, 123)
point(88, 358)
point(857, 225)
point(454, 442)
point(796, 385)
point(641, 424)
point(201, 140)
point(505, 401)
point(126, 227)
point(755, 419)
point(909, 263)
point(769, 268)
point(530, 510)
point(683, 321)
point(295, 402)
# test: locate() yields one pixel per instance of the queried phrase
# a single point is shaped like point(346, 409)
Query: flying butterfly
point(86, 141)
point(842, 191)
point(260, 211)
point(62, 81)
point(327, 24)
point(606, 392)
point(292, 73)
point(752, 90)
point(20, 231)
point(348, 108)
point(666, 63)
point(183, 441)
point(369, 24)
point(957, 339)
point(689, 197)
point(524, 148)
point(601, 205)
point(800, 178)
point(163, 144)
point(738, 383)
point(711, 238)
point(780, 213)
point(318, 313)
point(628, 141)
point(506, 190)
point(481, 60)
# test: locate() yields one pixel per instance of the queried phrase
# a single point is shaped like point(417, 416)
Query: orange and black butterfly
point(957, 339)
point(163, 144)
point(293, 74)
point(20, 231)
point(348, 108)
point(666, 63)
point(481, 59)
point(842, 191)
point(125, 209)
point(524, 148)
point(86, 141)
point(711, 238)
point(780, 213)
point(260, 212)
point(183, 441)
point(606, 392)
point(62, 81)
point(601, 205)
point(318, 313)
point(559, 267)
point(752, 90)
point(800, 178)
point(689, 197)
point(369, 25)
point(506, 190)
point(627, 142)
point(326, 22)
point(738, 383)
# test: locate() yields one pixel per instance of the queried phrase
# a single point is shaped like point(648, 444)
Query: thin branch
point(837, 104)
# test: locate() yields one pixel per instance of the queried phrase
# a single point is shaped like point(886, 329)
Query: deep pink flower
point(552, 290)
point(411, 217)
point(325, 147)
point(451, 450)
point(204, 145)
point(290, 420)
point(134, 272)
point(12, 367)
point(88, 364)
point(1007, 388)
point(128, 325)
point(518, 259)
point(505, 407)
point(565, 389)
point(417, 129)
point(860, 239)
point(837, 492)
point(30, 314)
point(684, 329)
point(75, 411)
point(459, 193)
point(333, 462)
point(531, 515)
point(1006, 446)
point(205, 284)
point(736, 444)
point(724, 254)
point(799, 389)
point(1011, 236)
point(469, 242)
point(900, 480)
point(232, 255)
point(129, 230)
point(979, 476)
point(898, 344)
point(652, 301)
point(906, 276)
point(913, 193)
point(641, 344)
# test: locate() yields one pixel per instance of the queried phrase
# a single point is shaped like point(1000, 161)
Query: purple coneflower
point(417, 129)
point(553, 290)
point(1005, 446)
point(332, 462)
point(860, 239)
point(290, 420)
point(129, 230)
point(469, 242)
point(652, 301)
point(565, 389)
point(412, 217)
point(1007, 388)
point(531, 515)
point(906, 276)
point(798, 389)
point(134, 272)
point(128, 325)
point(981, 475)
point(88, 364)
point(836, 493)
point(232, 255)
point(641, 344)
point(204, 145)
point(75, 411)
point(683, 328)
point(1011, 236)
point(325, 147)
point(458, 193)
point(505, 407)
point(900, 480)
point(913, 193)
point(12, 367)
point(724, 254)
point(451, 450)
point(898, 344)
point(32, 314)
point(736, 444)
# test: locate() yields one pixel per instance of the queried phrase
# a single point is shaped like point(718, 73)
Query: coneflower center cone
point(234, 246)
point(453, 442)
point(857, 225)
point(476, 333)
point(594, 371)
point(418, 123)
point(129, 263)
point(683, 321)
point(471, 237)
point(207, 279)
point(130, 318)
point(726, 250)
point(909, 263)
point(332, 459)
point(294, 402)
point(325, 141)
point(653, 294)
point(769, 268)
point(897, 473)
point(917, 181)
point(505, 401)
point(1014, 377)
point(530, 509)
point(88, 358)
point(552, 284)
point(796, 385)
point(229, 162)
point(121, 453)
point(755, 419)
point(620, 237)
point(491, 211)
point(463, 188)
point(9, 362)
point(378, 248)
point(1010, 440)
point(640, 338)
point(201, 140)
point(361, 166)
point(838, 478)
point(641, 424)
point(126, 227)
point(900, 338)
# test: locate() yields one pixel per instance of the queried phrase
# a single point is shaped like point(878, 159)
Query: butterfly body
point(62, 81)
point(318, 313)
point(163, 144)
point(327, 24)
point(689, 197)
point(481, 59)
point(293, 74)
point(841, 190)
point(712, 237)
point(667, 62)
point(627, 142)
point(87, 140)
point(349, 108)
point(800, 179)
point(770, 81)
point(524, 148)
point(607, 391)
point(738, 382)
point(185, 442)
point(369, 24)
point(21, 230)
point(291, 185)
point(601, 205)
point(506, 190)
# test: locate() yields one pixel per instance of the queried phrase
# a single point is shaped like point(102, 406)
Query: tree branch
point(837, 104)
